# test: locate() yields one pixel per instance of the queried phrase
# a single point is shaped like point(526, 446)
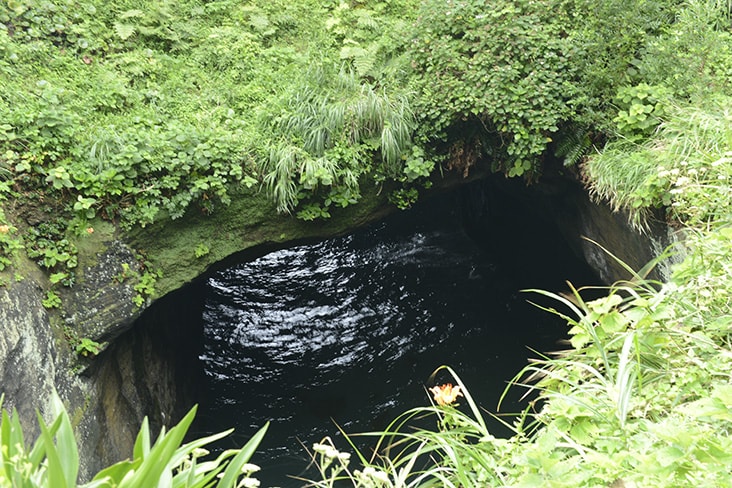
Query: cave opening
point(346, 332)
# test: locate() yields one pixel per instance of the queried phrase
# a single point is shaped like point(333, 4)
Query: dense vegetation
point(141, 111)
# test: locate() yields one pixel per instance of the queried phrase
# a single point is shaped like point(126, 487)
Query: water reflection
point(349, 330)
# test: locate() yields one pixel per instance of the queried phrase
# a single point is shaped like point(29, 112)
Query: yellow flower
point(4, 229)
point(90, 230)
point(445, 394)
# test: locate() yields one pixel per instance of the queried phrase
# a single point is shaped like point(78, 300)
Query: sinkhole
point(345, 333)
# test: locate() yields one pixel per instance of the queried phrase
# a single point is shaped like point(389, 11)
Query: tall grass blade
point(624, 379)
point(233, 470)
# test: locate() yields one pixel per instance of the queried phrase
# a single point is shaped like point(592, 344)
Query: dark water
point(349, 331)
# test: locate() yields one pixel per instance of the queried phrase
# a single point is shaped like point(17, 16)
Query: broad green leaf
point(233, 470)
point(142, 441)
point(159, 458)
point(55, 469)
point(67, 451)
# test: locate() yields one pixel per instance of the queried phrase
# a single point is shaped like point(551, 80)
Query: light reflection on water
point(350, 329)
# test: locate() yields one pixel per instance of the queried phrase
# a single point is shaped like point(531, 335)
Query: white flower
point(248, 483)
point(376, 474)
point(320, 448)
point(199, 452)
point(249, 468)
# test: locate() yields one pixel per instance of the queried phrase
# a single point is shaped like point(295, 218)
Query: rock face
point(27, 350)
point(153, 349)
point(101, 306)
point(148, 372)
point(36, 344)
point(596, 233)
point(586, 226)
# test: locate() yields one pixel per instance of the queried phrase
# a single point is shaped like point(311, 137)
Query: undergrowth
point(641, 398)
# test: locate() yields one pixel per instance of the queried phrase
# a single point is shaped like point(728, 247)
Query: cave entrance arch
point(471, 250)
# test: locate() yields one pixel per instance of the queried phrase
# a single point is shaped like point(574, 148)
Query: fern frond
point(367, 21)
point(573, 145)
point(124, 31)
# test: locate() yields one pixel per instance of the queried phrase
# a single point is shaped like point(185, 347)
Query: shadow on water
point(349, 330)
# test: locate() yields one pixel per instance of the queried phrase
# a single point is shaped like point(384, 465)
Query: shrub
point(504, 70)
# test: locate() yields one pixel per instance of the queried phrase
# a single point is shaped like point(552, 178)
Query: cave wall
point(27, 349)
point(150, 371)
point(579, 223)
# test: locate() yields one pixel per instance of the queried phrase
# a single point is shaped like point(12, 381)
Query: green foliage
point(685, 166)
point(507, 81)
point(145, 287)
point(138, 112)
point(606, 56)
point(87, 347)
point(416, 167)
point(9, 245)
point(52, 300)
point(53, 460)
point(84, 347)
point(641, 108)
point(404, 198)
point(506, 70)
point(48, 244)
point(693, 55)
point(371, 35)
point(5, 165)
point(201, 250)
point(573, 144)
point(325, 135)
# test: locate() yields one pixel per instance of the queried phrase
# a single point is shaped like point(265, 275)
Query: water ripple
point(350, 329)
